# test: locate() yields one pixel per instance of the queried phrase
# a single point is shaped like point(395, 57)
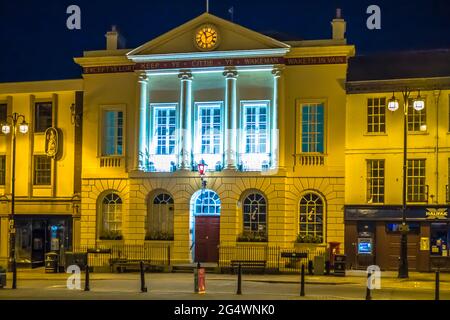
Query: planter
point(108, 244)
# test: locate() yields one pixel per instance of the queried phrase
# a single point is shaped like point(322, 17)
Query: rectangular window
point(376, 115)
point(313, 128)
point(255, 127)
point(3, 112)
point(417, 120)
point(210, 129)
point(164, 130)
point(112, 133)
point(42, 170)
point(416, 188)
point(43, 116)
point(2, 170)
point(375, 181)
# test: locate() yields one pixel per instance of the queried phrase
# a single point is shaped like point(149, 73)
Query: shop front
point(372, 237)
point(37, 235)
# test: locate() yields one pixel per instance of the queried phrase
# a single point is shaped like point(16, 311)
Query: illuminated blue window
point(211, 137)
point(313, 127)
point(165, 126)
point(208, 144)
point(255, 154)
point(112, 133)
point(207, 202)
point(256, 129)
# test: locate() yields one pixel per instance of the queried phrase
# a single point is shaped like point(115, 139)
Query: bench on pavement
point(124, 264)
point(249, 265)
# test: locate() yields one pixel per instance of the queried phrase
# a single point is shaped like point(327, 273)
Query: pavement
point(36, 284)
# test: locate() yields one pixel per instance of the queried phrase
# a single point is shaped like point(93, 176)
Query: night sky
point(36, 45)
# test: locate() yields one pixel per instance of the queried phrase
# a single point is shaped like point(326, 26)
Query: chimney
point(112, 39)
point(339, 26)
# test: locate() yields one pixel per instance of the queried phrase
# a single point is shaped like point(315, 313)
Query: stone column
point(185, 111)
point(274, 132)
point(141, 121)
point(230, 126)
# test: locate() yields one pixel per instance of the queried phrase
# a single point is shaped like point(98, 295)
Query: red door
point(207, 233)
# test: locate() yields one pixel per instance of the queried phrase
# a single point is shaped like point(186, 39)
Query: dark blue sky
point(36, 45)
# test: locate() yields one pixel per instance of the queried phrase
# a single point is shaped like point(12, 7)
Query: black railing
point(271, 254)
point(103, 255)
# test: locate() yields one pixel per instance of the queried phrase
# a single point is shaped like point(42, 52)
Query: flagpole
point(207, 6)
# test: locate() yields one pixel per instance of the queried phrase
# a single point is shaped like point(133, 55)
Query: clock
point(206, 37)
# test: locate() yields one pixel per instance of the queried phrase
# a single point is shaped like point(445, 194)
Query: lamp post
point(393, 105)
point(11, 126)
point(202, 166)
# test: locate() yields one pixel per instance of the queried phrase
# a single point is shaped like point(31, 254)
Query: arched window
point(311, 218)
point(255, 214)
point(207, 203)
point(111, 215)
point(160, 212)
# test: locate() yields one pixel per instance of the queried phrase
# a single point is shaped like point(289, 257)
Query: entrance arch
point(204, 225)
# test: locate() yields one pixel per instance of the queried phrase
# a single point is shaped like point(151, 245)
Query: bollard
point(327, 267)
point(436, 289)
point(86, 282)
point(368, 291)
point(310, 267)
point(302, 282)
point(143, 287)
point(239, 284)
point(196, 281)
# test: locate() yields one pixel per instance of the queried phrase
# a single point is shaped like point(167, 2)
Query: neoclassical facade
point(266, 117)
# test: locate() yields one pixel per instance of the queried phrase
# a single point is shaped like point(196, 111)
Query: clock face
point(206, 37)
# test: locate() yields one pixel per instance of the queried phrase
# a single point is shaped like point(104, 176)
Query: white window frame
point(211, 159)
point(253, 161)
point(102, 138)
point(162, 162)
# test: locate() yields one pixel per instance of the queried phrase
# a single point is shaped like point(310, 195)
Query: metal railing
point(270, 254)
point(104, 255)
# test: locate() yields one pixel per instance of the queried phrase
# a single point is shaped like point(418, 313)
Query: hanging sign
point(51, 142)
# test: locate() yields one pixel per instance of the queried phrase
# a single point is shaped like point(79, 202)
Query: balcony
point(310, 159)
point(111, 162)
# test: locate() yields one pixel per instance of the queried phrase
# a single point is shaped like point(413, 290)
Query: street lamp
point(393, 105)
point(12, 125)
point(202, 166)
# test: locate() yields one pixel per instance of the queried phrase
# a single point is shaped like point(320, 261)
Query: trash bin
point(51, 262)
point(340, 261)
point(2, 277)
point(319, 265)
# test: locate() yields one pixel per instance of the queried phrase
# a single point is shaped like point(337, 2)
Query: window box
point(111, 236)
point(252, 237)
point(309, 239)
point(159, 236)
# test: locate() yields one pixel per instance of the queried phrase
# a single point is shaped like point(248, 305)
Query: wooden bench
point(249, 265)
point(123, 264)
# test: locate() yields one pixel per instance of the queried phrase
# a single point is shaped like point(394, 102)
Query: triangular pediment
point(232, 37)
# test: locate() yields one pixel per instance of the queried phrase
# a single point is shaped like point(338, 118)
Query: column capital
point(143, 78)
point(277, 71)
point(185, 76)
point(230, 73)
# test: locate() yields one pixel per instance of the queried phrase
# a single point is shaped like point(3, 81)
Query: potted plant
point(159, 236)
point(248, 236)
point(111, 235)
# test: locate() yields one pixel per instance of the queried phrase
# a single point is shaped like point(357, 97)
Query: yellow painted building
point(266, 117)
point(374, 158)
point(48, 188)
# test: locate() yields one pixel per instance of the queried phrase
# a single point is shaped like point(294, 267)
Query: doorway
point(205, 226)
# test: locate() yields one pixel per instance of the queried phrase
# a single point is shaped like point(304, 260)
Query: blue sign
point(365, 246)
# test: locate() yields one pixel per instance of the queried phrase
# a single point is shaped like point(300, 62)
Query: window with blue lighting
point(112, 133)
point(255, 121)
point(161, 155)
point(165, 126)
point(208, 144)
point(207, 203)
point(313, 128)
